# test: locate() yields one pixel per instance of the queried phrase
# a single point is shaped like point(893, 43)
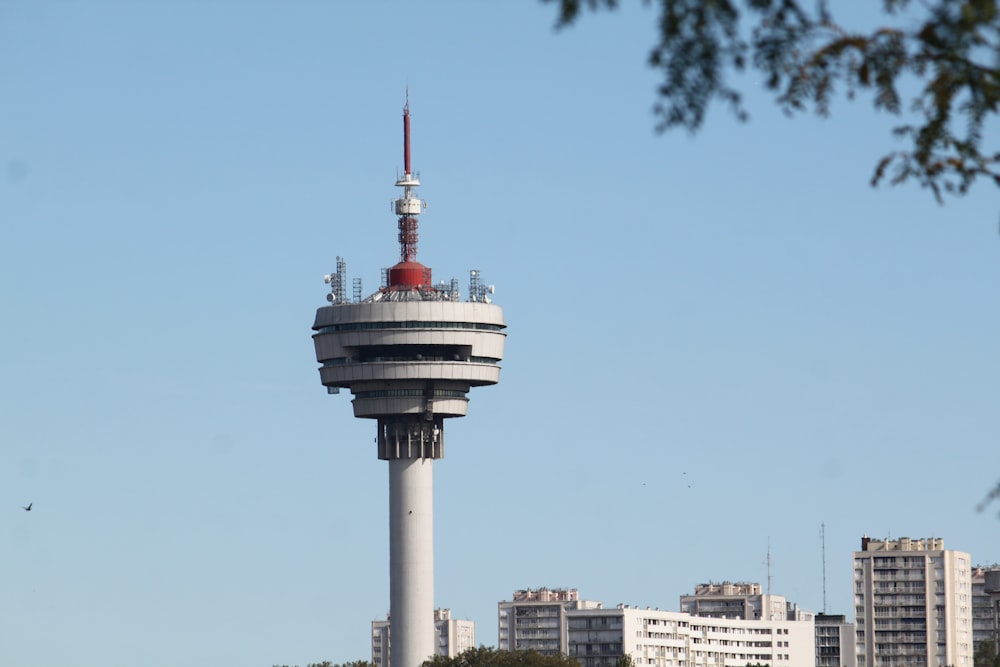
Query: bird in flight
point(28, 508)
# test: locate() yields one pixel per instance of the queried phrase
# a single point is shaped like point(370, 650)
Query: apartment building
point(913, 604)
point(535, 619)
point(451, 637)
point(734, 600)
point(986, 606)
point(598, 637)
point(834, 641)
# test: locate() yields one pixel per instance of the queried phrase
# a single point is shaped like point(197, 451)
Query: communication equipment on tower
point(407, 280)
point(477, 290)
point(473, 284)
point(337, 282)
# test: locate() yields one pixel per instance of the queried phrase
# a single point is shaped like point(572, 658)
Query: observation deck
point(409, 364)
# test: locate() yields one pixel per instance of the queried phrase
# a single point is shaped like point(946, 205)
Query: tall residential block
point(986, 606)
point(535, 619)
point(834, 641)
point(734, 600)
point(912, 604)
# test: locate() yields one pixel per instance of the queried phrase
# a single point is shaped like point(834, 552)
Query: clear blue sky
point(714, 341)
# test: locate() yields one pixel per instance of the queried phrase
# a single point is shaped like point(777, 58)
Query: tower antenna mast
point(409, 205)
point(769, 565)
point(822, 537)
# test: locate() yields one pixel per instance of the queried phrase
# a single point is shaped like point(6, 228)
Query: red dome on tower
point(407, 275)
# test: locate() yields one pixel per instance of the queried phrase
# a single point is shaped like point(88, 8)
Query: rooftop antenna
point(478, 290)
point(822, 537)
point(337, 282)
point(768, 564)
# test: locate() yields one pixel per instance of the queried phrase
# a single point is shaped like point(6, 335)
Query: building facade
point(451, 637)
point(912, 604)
point(599, 637)
point(986, 606)
point(734, 600)
point(557, 621)
point(535, 619)
point(834, 641)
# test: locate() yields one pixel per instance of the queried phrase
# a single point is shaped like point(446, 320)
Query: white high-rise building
point(599, 637)
point(557, 621)
point(451, 637)
point(535, 619)
point(912, 604)
point(834, 641)
point(735, 600)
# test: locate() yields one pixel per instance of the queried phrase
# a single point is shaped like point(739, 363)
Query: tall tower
point(409, 353)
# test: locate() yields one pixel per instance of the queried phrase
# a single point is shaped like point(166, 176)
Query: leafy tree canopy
point(491, 657)
point(949, 48)
point(327, 663)
point(986, 655)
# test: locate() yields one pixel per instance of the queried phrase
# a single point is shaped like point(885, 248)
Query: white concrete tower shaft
point(411, 559)
point(410, 353)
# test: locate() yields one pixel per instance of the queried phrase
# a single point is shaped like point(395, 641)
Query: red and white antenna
point(408, 274)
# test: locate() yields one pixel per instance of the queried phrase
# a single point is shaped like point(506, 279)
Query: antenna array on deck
point(478, 291)
point(337, 282)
